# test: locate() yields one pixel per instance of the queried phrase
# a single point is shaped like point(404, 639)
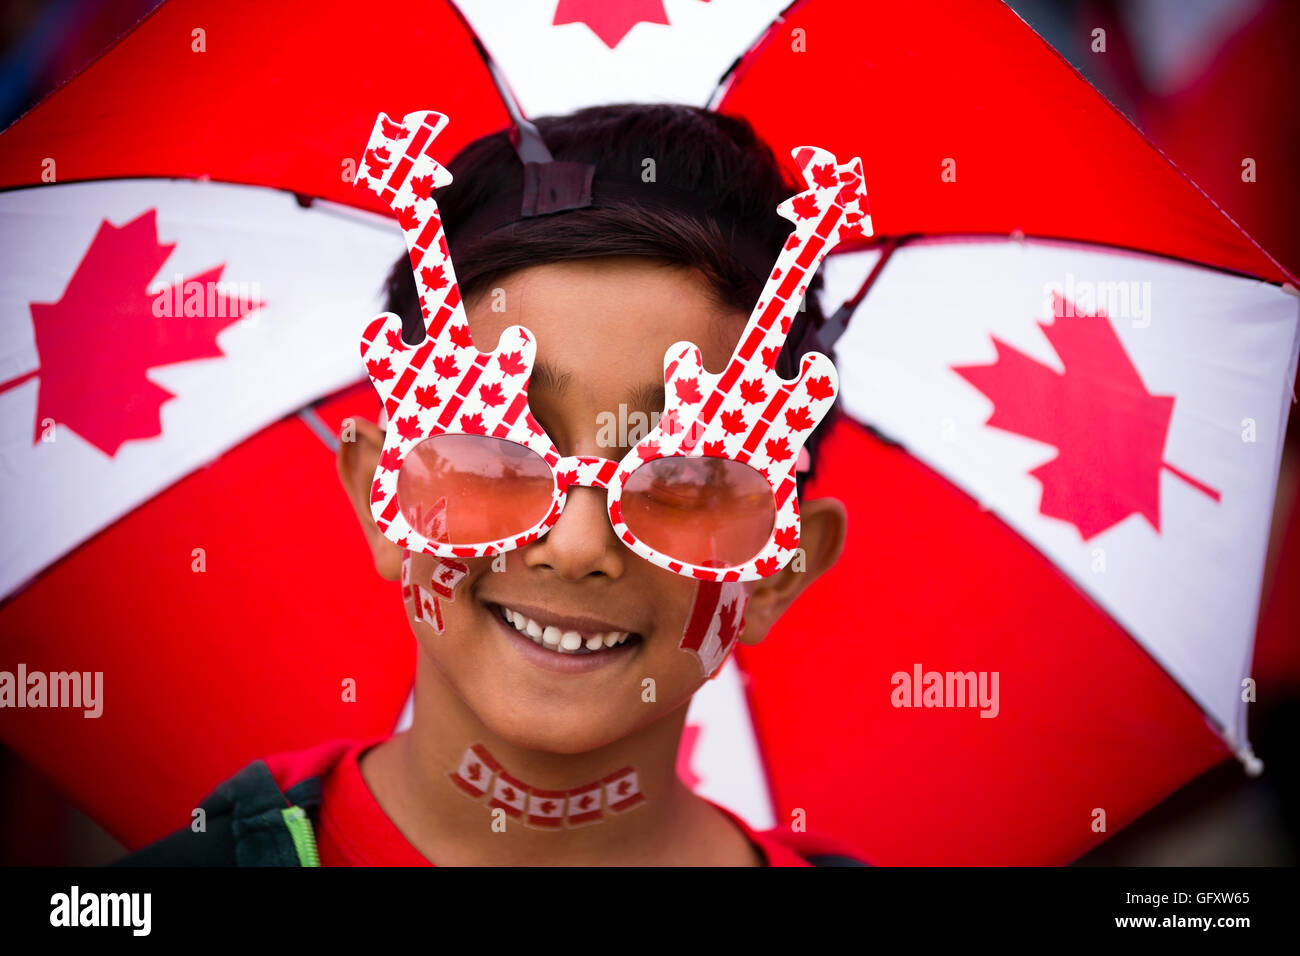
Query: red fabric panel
point(910, 85)
point(205, 672)
point(1087, 719)
point(282, 95)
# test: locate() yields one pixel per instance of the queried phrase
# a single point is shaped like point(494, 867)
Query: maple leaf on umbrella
point(98, 341)
point(804, 206)
point(510, 362)
point(733, 422)
point(688, 390)
point(610, 21)
point(491, 394)
point(1109, 431)
point(459, 334)
point(752, 391)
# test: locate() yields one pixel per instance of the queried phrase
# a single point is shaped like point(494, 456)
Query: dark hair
point(695, 151)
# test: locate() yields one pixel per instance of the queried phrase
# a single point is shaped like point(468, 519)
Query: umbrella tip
point(1249, 762)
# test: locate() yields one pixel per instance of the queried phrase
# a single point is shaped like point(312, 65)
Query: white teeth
point(564, 642)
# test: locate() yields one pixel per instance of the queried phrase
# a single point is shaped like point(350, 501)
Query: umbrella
point(1050, 496)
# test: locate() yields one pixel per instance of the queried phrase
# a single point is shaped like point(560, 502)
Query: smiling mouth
point(570, 642)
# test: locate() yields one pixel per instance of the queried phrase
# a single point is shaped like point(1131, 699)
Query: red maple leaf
point(820, 387)
point(671, 422)
point(394, 339)
point(459, 335)
point(688, 390)
point(426, 396)
point(546, 806)
point(511, 363)
point(715, 448)
point(390, 459)
point(391, 130)
point(733, 422)
point(434, 277)
point(610, 21)
point(648, 450)
point(778, 449)
point(787, 538)
point(380, 371)
point(472, 423)
point(491, 394)
point(752, 391)
point(729, 623)
point(770, 354)
point(422, 186)
point(376, 493)
point(474, 771)
point(824, 175)
point(444, 365)
point(623, 787)
point(567, 478)
point(797, 419)
point(766, 566)
point(585, 802)
point(408, 428)
point(508, 794)
point(98, 341)
point(1109, 431)
point(407, 217)
point(804, 206)
point(447, 573)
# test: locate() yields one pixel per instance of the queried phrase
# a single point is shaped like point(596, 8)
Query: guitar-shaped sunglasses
point(708, 493)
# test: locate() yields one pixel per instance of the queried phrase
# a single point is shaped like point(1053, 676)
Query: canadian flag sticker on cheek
point(716, 620)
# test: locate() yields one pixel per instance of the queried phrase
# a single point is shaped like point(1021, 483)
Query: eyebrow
point(649, 396)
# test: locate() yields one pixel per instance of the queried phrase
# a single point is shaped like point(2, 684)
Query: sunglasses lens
point(473, 489)
point(713, 512)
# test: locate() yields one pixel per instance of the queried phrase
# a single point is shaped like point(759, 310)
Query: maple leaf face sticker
point(1109, 431)
point(97, 343)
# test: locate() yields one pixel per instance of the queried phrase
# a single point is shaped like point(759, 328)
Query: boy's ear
point(357, 460)
point(823, 524)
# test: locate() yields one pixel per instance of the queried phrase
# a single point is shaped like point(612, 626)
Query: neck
point(411, 776)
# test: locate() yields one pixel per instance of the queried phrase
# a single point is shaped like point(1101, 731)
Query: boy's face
point(602, 327)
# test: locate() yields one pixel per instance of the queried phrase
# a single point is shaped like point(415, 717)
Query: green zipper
point(304, 840)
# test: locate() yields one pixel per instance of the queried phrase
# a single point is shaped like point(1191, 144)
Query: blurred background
point(1208, 82)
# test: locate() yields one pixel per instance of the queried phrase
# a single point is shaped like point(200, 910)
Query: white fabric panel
point(1224, 347)
point(319, 272)
point(558, 68)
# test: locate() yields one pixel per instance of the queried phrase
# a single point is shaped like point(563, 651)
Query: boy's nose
point(582, 540)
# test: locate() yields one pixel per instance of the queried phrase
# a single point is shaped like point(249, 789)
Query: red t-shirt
point(354, 830)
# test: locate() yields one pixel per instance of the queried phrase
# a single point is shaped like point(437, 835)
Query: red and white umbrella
point(1066, 380)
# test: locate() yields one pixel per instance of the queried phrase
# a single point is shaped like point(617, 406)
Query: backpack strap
point(249, 821)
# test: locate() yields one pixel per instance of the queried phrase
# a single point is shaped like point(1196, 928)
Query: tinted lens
point(713, 512)
point(473, 489)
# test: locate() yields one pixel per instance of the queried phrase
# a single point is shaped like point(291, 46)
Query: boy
point(553, 678)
